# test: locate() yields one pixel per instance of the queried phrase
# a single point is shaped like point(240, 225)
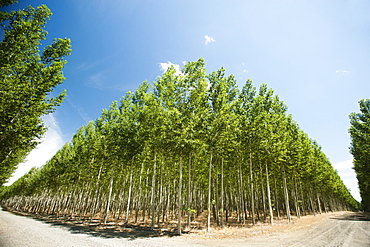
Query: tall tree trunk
point(129, 192)
point(252, 189)
point(222, 192)
point(209, 194)
point(96, 194)
point(276, 200)
point(179, 197)
point(160, 203)
point(311, 202)
point(302, 197)
point(153, 191)
point(318, 202)
point(189, 194)
point(263, 195)
point(269, 195)
point(140, 195)
point(295, 194)
point(286, 196)
point(109, 197)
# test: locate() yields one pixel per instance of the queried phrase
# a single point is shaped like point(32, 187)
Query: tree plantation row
point(191, 150)
point(360, 149)
point(27, 78)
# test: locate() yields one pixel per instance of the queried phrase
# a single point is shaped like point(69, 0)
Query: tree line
point(188, 147)
point(360, 149)
point(27, 78)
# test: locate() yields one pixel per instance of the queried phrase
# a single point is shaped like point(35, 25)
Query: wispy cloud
point(208, 39)
point(80, 110)
point(165, 66)
point(348, 176)
point(342, 71)
point(97, 80)
point(50, 144)
point(86, 66)
point(106, 79)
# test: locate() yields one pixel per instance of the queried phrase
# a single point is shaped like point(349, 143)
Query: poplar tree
point(27, 78)
point(360, 149)
point(191, 142)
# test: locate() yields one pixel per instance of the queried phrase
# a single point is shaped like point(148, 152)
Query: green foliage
point(203, 122)
point(27, 78)
point(360, 149)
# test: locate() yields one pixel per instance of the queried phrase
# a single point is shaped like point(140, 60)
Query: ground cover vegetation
point(187, 147)
point(360, 149)
point(27, 78)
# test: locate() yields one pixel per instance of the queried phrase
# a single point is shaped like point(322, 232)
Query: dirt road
point(334, 229)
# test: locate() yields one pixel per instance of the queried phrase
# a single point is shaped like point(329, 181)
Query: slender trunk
point(318, 202)
point(311, 202)
point(263, 195)
point(302, 197)
point(153, 190)
point(160, 203)
point(109, 197)
point(239, 199)
point(179, 198)
point(209, 194)
point(252, 189)
point(286, 195)
point(129, 193)
point(216, 197)
point(295, 193)
point(96, 195)
point(269, 195)
point(276, 200)
point(189, 194)
point(222, 192)
point(139, 199)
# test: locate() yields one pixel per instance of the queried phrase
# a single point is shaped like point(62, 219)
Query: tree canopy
point(360, 149)
point(27, 79)
point(190, 144)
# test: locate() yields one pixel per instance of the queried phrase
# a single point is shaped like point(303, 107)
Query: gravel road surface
point(344, 229)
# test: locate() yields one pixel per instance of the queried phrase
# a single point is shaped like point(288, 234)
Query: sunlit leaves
point(27, 78)
point(360, 149)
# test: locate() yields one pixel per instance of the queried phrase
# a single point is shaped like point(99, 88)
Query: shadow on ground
point(355, 216)
point(98, 229)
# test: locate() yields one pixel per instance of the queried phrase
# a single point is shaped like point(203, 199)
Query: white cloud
point(348, 176)
point(165, 66)
point(51, 143)
point(208, 39)
point(342, 71)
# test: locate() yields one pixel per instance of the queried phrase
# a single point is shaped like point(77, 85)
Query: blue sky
point(314, 54)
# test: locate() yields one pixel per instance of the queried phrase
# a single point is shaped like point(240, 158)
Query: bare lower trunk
point(286, 196)
point(189, 195)
point(129, 193)
point(95, 202)
point(153, 191)
point(269, 195)
point(222, 192)
point(209, 195)
point(263, 195)
point(252, 188)
point(109, 198)
point(179, 198)
point(318, 202)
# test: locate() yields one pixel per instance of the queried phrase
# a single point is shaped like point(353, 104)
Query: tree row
point(191, 150)
point(360, 149)
point(27, 78)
